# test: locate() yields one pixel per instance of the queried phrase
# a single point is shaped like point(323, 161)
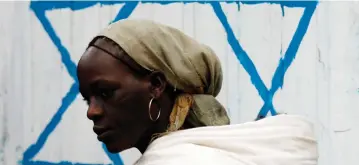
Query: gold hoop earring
point(149, 111)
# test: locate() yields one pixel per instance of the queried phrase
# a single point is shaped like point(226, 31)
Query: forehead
point(97, 64)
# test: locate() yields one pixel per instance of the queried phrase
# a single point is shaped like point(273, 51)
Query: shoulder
point(189, 154)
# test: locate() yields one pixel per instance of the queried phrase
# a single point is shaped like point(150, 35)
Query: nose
point(94, 111)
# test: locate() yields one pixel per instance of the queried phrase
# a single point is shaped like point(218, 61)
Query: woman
point(152, 87)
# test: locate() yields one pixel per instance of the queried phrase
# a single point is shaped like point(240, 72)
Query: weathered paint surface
point(286, 57)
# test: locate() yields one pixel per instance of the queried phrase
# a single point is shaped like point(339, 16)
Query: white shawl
point(279, 140)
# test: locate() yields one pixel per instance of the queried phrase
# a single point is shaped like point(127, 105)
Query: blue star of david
point(40, 7)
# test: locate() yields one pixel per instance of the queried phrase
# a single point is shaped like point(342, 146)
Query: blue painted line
point(239, 52)
point(73, 5)
point(293, 47)
point(282, 3)
point(242, 55)
point(57, 163)
point(65, 55)
point(115, 158)
point(39, 8)
point(31, 152)
point(79, 5)
point(278, 78)
point(125, 11)
point(66, 101)
point(248, 65)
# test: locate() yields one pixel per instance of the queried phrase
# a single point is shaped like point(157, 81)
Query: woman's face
point(118, 101)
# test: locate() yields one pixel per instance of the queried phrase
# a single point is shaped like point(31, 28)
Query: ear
point(158, 83)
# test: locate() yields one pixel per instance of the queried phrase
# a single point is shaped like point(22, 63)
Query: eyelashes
point(105, 94)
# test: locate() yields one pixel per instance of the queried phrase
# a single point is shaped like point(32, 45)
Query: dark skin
point(118, 99)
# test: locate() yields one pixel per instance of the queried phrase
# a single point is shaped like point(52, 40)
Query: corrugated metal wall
point(297, 57)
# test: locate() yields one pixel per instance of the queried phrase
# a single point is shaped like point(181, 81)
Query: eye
point(106, 93)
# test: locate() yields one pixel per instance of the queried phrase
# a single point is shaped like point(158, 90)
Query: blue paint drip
point(293, 47)
point(115, 158)
point(126, 11)
point(66, 101)
point(278, 78)
point(282, 3)
point(282, 7)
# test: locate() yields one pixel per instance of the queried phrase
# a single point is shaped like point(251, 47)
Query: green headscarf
point(187, 65)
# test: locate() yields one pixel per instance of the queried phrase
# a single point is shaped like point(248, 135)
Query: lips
point(101, 132)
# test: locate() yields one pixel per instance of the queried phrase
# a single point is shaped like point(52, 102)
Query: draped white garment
point(278, 140)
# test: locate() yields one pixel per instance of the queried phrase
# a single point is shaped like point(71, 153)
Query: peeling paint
point(342, 131)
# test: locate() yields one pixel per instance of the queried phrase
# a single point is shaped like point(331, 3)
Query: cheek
point(129, 107)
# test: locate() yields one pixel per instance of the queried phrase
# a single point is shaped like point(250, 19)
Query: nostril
point(94, 113)
point(95, 118)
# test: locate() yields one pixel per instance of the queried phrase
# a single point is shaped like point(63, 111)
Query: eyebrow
point(102, 82)
point(99, 83)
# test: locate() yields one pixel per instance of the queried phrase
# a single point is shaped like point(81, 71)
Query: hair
point(122, 56)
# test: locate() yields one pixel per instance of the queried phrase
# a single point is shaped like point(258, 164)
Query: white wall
point(321, 82)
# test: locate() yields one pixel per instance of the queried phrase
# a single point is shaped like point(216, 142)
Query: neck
point(145, 141)
point(159, 126)
point(143, 144)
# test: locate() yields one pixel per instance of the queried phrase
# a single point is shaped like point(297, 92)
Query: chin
point(113, 148)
